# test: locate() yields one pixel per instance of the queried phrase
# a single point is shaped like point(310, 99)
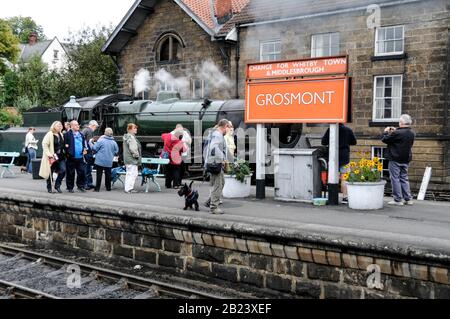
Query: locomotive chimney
point(224, 10)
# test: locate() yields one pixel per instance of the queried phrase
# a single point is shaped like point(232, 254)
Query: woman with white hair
point(53, 157)
point(105, 150)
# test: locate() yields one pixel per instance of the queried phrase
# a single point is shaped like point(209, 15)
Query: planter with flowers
point(364, 184)
point(237, 180)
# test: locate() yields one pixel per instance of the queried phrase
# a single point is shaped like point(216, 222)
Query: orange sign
point(306, 67)
point(317, 100)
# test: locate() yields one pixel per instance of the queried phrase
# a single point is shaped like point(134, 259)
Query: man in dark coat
point(76, 148)
point(346, 139)
point(399, 153)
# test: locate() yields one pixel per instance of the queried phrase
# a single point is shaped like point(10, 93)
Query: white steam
point(168, 82)
point(210, 73)
point(142, 81)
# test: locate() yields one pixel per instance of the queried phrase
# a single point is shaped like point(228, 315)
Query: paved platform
point(422, 229)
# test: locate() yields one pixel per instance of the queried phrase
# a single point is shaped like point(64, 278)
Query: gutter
point(237, 58)
point(323, 14)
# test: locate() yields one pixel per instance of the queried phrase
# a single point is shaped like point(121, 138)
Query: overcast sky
point(57, 17)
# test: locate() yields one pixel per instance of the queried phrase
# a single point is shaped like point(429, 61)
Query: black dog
point(190, 196)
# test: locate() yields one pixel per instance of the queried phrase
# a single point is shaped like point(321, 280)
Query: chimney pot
point(32, 38)
point(224, 10)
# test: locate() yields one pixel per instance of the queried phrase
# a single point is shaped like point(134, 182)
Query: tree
point(9, 46)
point(23, 26)
point(89, 72)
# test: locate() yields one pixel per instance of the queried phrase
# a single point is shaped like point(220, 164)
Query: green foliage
point(9, 46)
point(240, 169)
point(8, 119)
point(89, 72)
point(10, 81)
point(23, 26)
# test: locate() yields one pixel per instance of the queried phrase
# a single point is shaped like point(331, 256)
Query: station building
point(398, 53)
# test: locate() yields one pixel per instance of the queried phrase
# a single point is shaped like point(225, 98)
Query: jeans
point(89, 166)
point(399, 181)
point(98, 182)
point(60, 168)
point(78, 165)
point(31, 156)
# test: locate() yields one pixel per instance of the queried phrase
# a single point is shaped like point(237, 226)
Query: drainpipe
point(237, 58)
point(446, 92)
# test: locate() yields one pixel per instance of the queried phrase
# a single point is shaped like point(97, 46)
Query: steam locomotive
point(153, 117)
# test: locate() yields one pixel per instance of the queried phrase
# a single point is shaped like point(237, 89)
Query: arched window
point(169, 48)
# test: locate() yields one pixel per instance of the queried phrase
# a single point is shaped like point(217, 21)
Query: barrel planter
point(366, 196)
point(236, 189)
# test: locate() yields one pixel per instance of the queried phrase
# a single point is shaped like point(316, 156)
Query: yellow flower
point(375, 159)
point(352, 164)
point(380, 168)
point(345, 176)
point(357, 172)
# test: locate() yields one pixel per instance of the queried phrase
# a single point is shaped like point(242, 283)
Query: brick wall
point(140, 51)
point(424, 72)
point(302, 268)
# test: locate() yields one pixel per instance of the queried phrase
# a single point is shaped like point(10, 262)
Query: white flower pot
point(234, 188)
point(366, 195)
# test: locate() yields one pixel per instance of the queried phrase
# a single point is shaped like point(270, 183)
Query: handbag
point(214, 168)
point(24, 150)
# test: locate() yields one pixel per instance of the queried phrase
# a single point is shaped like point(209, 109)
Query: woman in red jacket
point(173, 148)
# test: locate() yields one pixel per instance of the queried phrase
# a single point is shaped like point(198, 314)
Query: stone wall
point(283, 261)
point(141, 51)
point(424, 70)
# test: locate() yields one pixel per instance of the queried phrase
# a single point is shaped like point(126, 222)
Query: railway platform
point(295, 248)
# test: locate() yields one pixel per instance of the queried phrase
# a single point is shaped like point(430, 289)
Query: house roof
point(201, 11)
point(268, 10)
point(27, 51)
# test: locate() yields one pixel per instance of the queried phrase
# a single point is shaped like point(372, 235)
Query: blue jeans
point(399, 181)
point(31, 156)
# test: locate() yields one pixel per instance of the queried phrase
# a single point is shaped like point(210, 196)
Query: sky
point(57, 17)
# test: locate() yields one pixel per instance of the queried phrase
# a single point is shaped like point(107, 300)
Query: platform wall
point(269, 259)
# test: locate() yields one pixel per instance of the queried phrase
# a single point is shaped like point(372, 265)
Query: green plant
point(364, 171)
point(8, 119)
point(239, 169)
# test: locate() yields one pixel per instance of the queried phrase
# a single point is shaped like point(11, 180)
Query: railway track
point(29, 274)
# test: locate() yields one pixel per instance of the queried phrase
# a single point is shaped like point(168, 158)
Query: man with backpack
point(215, 156)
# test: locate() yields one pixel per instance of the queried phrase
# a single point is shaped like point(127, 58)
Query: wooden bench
point(155, 172)
point(7, 166)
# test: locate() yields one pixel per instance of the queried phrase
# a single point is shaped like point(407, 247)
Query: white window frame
point(262, 43)
point(385, 172)
point(314, 46)
point(374, 105)
point(377, 30)
point(204, 88)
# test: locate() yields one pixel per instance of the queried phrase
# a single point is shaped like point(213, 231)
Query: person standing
point(399, 153)
point(75, 147)
point(187, 141)
point(229, 140)
point(132, 156)
point(346, 139)
point(174, 146)
point(31, 147)
point(53, 157)
point(105, 150)
point(215, 156)
point(88, 133)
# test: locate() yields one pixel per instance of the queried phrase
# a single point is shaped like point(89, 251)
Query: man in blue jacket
point(76, 148)
point(399, 153)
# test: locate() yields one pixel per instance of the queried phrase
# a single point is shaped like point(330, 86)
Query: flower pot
point(234, 188)
point(366, 195)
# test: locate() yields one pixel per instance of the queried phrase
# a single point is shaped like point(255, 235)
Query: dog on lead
point(190, 196)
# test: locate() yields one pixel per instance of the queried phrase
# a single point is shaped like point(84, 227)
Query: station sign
point(299, 101)
point(301, 91)
point(298, 68)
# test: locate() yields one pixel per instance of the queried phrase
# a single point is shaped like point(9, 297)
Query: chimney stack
point(32, 38)
point(224, 10)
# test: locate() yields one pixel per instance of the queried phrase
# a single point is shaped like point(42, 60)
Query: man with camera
point(399, 144)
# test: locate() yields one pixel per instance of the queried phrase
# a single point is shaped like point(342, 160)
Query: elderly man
point(88, 133)
point(399, 154)
point(76, 148)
